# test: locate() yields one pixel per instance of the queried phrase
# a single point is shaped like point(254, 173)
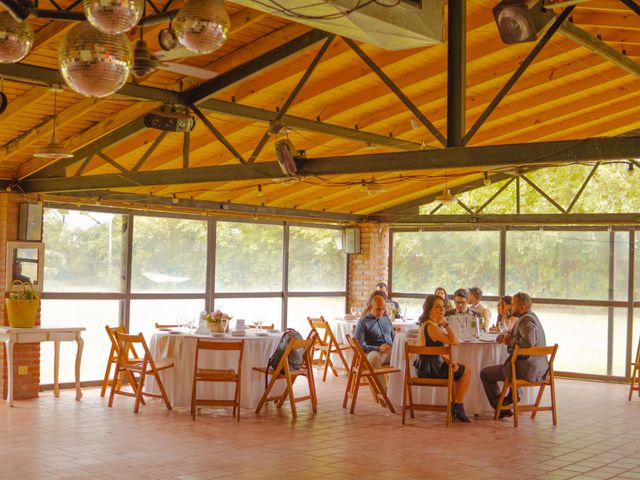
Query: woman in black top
point(437, 332)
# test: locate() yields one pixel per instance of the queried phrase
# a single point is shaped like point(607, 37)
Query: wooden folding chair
point(361, 369)
point(283, 372)
point(635, 376)
point(411, 381)
point(166, 325)
point(515, 382)
point(113, 358)
point(215, 375)
point(137, 366)
point(327, 344)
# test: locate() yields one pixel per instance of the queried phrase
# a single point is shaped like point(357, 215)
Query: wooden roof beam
point(591, 149)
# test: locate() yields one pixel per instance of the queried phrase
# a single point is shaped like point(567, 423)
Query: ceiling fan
point(145, 62)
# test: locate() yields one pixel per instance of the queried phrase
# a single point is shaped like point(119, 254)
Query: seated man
point(17, 273)
point(383, 288)
point(527, 332)
point(375, 334)
point(464, 320)
point(475, 297)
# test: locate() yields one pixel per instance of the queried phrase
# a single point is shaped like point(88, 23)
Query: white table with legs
point(474, 355)
point(10, 336)
point(181, 350)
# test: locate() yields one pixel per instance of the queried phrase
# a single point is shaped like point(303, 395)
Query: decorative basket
point(22, 305)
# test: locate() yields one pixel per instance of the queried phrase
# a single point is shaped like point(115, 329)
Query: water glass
point(259, 326)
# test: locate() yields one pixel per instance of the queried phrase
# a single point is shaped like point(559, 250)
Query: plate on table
point(488, 337)
point(174, 332)
point(164, 329)
point(218, 334)
point(262, 334)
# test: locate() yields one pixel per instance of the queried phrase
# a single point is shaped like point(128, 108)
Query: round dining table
point(180, 348)
point(475, 355)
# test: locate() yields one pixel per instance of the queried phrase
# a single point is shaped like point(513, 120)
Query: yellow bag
point(22, 305)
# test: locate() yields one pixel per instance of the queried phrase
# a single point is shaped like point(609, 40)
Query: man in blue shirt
point(375, 333)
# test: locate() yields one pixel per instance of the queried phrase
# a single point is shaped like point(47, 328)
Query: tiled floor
point(598, 436)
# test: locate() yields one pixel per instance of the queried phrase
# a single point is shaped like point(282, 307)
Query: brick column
point(26, 354)
point(371, 265)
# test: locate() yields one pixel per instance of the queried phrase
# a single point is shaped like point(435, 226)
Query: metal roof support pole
point(582, 187)
point(456, 72)
point(394, 88)
point(518, 73)
point(149, 151)
point(301, 83)
point(544, 194)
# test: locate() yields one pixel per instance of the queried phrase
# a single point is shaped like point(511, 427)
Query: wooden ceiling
point(569, 92)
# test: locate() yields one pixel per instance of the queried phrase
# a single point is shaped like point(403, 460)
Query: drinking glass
point(502, 326)
point(259, 326)
point(354, 310)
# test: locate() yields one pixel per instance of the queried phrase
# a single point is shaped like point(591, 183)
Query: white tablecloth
point(181, 349)
point(474, 356)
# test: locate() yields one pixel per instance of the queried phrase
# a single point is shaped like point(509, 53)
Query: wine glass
point(502, 326)
point(259, 326)
point(354, 311)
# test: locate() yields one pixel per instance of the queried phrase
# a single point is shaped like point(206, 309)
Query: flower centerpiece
point(217, 320)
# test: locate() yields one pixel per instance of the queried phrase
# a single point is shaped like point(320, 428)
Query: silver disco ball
point(202, 25)
point(93, 63)
point(114, 16)
point(16, 39)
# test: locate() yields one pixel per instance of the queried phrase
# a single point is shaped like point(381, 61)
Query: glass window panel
point(316, 262)
point(581, 335)
point(169, 255)
point(83, 251)
point(146, 313)
point(91, 314)
point(269, 310)
point(302, 307)
point(621, 266)
point(248, 257)
point(423, 261)
point(558, 264)
point(620, 342)
point(636, 269)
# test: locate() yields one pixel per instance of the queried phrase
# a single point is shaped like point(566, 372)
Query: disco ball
point(93, 63)
point(114, 16)
point(202, 25)
point(16, 39)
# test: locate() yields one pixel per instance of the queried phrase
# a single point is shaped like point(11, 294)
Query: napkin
point(238, 333)
point(240, 324)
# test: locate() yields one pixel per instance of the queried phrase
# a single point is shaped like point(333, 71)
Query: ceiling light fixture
point(174, 199)
point(114, 16)
point(53, 149)
point(521, 20)
point(485, 179)
point(260, 192)
point(285, 154)
point(445, 196)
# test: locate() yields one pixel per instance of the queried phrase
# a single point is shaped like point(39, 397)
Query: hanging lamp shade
point(16, 39)
point(114, 16)
point(53, 150)
point(93, 63)
point(445, 196)
point(202, 25)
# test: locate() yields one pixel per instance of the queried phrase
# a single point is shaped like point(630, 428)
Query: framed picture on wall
point(25, 262)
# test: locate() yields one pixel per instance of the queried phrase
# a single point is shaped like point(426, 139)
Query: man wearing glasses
point(462, 319)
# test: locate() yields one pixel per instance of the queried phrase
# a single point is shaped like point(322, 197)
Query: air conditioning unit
point(410, 24)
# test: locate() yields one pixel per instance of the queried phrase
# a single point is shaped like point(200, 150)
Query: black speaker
point(30, 222)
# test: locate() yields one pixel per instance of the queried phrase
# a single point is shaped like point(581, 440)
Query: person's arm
point(450, 338)
point(360, 335)
point(527, 333)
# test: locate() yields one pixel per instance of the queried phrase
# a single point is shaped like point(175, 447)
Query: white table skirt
point(181, 349)
point(474, 356)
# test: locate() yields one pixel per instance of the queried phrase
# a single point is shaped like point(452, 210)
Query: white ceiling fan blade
point(174, 53)
point(188, 70)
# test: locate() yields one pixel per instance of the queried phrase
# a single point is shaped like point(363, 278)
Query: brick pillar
point(26, 354)
point(371, 265)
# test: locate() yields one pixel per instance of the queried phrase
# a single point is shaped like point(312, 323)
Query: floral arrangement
point(218, 316)
point(22, 291)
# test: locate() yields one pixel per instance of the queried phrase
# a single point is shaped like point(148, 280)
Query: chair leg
point(634, 379)
point(132, 381)
point(505, 387)
point(552, 391)
point(514, 395)
point(267, 390)
point(348, 389)
point(354, 395)
point(537, 404)
point(193, 397)
point(292, 398)
point(382, 391)
point(165, 397)
point(105, 381)
point(342, 359)
point(237, 402)
point(404, 400)
point(114, 384)
point(136, 405)
point(327, 362)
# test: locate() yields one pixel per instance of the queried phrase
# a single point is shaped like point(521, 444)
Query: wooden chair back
point(635, 374)
point(514, 383)
point(216, 375)
point(411, 381)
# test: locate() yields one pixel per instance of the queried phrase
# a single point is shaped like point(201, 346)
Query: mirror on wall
point(25, 262)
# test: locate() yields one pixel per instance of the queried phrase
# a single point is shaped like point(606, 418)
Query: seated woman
point(442, 293)
point(504, 314)
point(436, 332)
